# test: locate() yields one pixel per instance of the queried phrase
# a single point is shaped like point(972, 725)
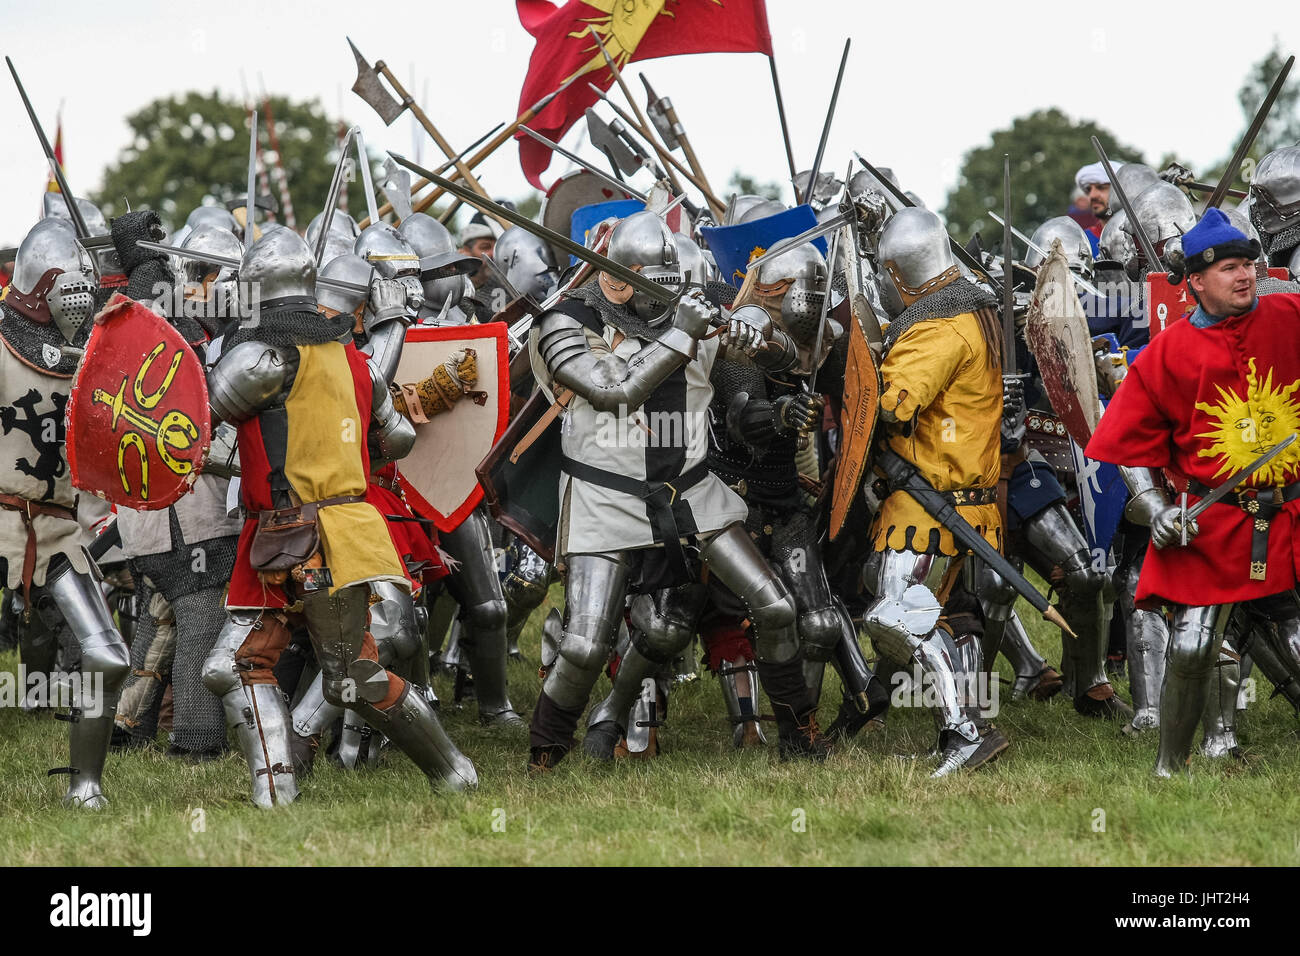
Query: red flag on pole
point(629, 31)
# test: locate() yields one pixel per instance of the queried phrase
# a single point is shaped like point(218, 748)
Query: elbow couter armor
point(385, 338)
point(393, 435)
point(606, 381)
point(245, 380)
point(1148, 495)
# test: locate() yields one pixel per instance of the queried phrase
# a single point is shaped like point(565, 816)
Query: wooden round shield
point(138, 420)
point(438, 475)
point(569, 192)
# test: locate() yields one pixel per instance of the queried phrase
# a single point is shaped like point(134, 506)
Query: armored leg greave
point(1085, 604)
point(865, 696)
point(1193, 648)
point(524, 589)
point(662, 625)
point(337, 624)
point(257, 712)
point(902, 624)
point(477, 589)
point(741, 707)
point(152, 656)
point(1148, 640)
point(1270, 633)
point(104, 666)
point(1220, 717)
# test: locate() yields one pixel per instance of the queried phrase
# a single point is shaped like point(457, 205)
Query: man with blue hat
point(1204, 400)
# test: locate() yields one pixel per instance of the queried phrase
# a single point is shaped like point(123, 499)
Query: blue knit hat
point(1215, 238)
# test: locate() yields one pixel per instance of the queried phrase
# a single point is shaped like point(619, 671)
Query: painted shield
point(138, 420)
point(569, 193)
point(1167, 304)
point(438, 475)
point(858, 416)
point(1058, 335)
point(521, 476)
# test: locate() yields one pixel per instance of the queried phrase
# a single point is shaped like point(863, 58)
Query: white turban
point(1093, 173)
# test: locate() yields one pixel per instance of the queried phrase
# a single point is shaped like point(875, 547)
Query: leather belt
point(659, 495)
point(27, 510)
point(1262, 505)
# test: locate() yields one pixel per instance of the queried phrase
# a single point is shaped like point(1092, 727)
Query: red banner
point(629, 31)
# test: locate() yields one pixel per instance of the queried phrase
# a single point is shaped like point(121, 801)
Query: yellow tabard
point(938, 378)
point(323, 460)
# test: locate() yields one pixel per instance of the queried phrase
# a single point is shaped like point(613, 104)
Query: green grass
point(701, 802)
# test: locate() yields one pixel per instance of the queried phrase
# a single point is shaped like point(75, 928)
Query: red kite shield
point(138, 420)
point(438, 475)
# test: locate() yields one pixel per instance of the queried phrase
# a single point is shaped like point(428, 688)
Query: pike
point(826, 127)
point(1144, 241)
point(1008, 282)
point(573, 158)
point(55, 167)
point(665, 120)
point(1223, 490)
point(1234, 164)
point(785, 130)
point(370, 88)
point(903, 476)
point(623, 274)
point(958, 250)
point(1083, 283)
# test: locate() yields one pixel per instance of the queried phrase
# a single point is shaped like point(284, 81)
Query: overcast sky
point(1161, 76)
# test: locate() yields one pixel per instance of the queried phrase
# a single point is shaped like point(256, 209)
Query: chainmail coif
point(958, 297)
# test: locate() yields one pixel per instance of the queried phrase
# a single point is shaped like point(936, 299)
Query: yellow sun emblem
point(620, 30)
point(1247, 426)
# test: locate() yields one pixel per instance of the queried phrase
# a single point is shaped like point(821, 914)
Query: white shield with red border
point(438, 475)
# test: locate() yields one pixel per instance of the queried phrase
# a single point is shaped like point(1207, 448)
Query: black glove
point(130, 228)
point(797, 413)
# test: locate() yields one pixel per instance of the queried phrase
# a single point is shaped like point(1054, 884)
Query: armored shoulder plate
point(248, 378)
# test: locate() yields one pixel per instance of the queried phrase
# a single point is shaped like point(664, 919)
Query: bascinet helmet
point(643, 239)
point(279, 272)
point(54, 278)
point(1078, 252)
point(915, 258)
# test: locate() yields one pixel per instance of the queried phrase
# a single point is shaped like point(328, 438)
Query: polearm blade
point(372, 209)
point(1231, 484)
point(826, 127)
point(573, 158)
point(332, 199)
point(653, 289)
point(1148, 247)
point(958, 250)
point(903, 476)
point(341, 284)
point(1008, 294)
point(1234, 164)
point(56, 169)
point(250, 204)
point(1084, 284)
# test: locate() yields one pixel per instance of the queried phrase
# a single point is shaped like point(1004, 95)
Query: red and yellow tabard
point(1202, 404)
point(328, 410)
point(939, 373)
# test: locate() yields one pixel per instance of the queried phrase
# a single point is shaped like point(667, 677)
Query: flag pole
point(785, 130)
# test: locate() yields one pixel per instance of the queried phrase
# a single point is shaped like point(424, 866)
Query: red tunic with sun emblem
point(1202, 404)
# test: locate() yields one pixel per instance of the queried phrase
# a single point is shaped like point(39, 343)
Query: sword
point(341, 284)
point(1234, 164)
point(623, 274)
point(811, 382)
point(332, 199)
point(958, 250)
point(1218, 494)
point(250, 206)
point(903, 476)
point(1083, 283)
point(826, 127)
point(1148, 248)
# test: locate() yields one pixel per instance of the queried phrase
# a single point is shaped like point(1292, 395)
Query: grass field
point(701, 802)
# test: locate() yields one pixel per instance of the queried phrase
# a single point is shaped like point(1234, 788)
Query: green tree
point(1046, 148)
point(192, 148)
point(744, 185)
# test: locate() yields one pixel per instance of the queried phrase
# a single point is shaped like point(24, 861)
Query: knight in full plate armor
point(1181, 408)
point(1042, 532)
point(313, 550)
point(46, 308)
point(941, 407)
point(183, 555)
point(638, 503)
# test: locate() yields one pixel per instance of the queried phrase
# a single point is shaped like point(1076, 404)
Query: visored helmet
point(54, 278)
point(644, 240)
point(528, 262)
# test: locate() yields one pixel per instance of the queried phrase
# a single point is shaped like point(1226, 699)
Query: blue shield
point(586, 218)
point(734, 246)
